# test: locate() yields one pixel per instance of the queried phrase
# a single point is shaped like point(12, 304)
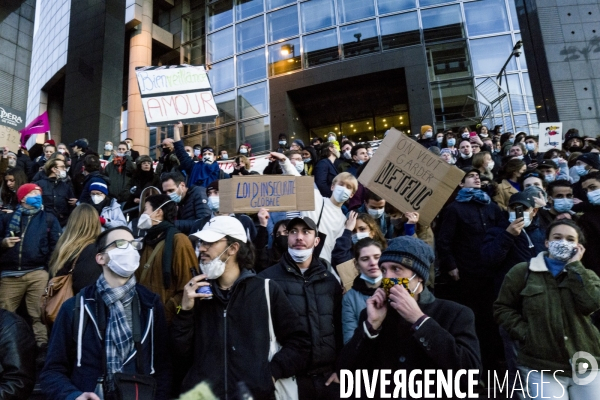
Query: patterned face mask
point(562, 250)
point(388, 283)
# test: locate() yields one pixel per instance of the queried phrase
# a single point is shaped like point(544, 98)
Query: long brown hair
point(83, 227)
point(374, 227)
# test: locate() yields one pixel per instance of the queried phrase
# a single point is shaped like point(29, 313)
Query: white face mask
point(124, 262)
point(427, 135)
point(145, 222)
point(215, 267)
point(360, 235)
point(213, 203)
point(207, 159)
point(97, 198)
point(299, 166)
point(491, 165)
point(376, 212)
point(108, 147)
point(347, 155)
point(300, 256)
point(341, 194)
point(468, 155)
point(440, 139)
point(62, 174)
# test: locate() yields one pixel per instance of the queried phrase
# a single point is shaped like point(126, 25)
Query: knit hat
point(101, 187)
point(50, 142)
point(25, 189)
point(446, 150)
point(411, 252)
point(299, 143)
point(425, 128)
point(591, 159)
point(142, 159)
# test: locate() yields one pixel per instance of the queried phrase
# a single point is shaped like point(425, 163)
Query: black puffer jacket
point(55, 196)
point(228, 340)
point(191, 208)
point(17, 361)
point(317, 298)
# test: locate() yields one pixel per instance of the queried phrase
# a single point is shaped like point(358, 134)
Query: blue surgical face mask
point(451, 142)
point(213, 203)
point(34, 201)
point(307, 160)
point(530, 146)
point(580, 169)
point(549, 178)
point(594, 197)
point(224, 157)
point(372, 281)
point(511, 140)
point(176, 197)
point(283, 142)
point(563, 205)
point(526, 218)
point(360, 162)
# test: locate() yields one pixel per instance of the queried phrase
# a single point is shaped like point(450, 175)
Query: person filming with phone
point(545, 304)
point(405, 326)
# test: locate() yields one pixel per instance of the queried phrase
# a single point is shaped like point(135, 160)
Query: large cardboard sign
point(176, 93)
point(10, 138)
point(410, 177)
point(250, 193)
point(551, 136)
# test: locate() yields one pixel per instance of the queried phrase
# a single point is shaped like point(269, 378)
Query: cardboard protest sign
point(10, 138)
point(410, 177)
point(551, 136)
point(250, 193)
point(176, 93)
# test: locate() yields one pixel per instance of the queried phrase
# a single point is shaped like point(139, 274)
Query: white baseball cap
point(219, 227)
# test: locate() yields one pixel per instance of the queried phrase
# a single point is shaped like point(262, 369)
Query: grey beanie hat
point(411, 252)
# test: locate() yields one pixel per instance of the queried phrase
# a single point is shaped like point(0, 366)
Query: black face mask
point(281, 243)
point(573, 149)
point(166, 150)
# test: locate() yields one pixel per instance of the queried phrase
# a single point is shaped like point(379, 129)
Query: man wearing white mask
point(465, 154)
point(316, 296)
point(109, 209)
point(328, 211)
point(108, 151)
point(224, 333)
point(126, 335)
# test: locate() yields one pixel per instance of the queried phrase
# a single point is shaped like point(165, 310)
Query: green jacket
point(549, 316)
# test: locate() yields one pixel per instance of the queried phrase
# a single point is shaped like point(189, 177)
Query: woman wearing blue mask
point(358, 226)
point(545, 305)
point(449, 142)
point(366, 260)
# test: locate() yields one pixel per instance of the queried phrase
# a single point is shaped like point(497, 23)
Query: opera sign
point(176, 93)
point(11, 118)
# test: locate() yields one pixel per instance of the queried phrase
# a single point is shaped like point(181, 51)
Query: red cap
point(25, 189)
point(50, 141)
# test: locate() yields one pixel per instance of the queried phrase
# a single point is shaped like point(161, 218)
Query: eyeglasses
point(122, 244)
point(208, 244)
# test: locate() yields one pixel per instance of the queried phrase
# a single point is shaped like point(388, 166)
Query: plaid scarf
point(119, 335)
point(119, 162)
point(15, 221)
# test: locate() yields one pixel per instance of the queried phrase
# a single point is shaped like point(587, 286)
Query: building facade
point(304, 67)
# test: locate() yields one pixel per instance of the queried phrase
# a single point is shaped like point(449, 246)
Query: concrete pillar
point(140, 54)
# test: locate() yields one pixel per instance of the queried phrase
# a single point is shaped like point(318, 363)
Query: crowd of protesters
point(170, 292)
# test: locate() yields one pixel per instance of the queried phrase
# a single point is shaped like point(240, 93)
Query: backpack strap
point(148, 263)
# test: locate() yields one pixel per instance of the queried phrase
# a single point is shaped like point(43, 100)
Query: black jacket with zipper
point(228, 338)
point(317, 298)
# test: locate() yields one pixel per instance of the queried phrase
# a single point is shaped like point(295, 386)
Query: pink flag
point(37, 126)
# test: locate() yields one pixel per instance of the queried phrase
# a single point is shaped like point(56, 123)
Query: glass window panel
point(226, 106)
point(388, 6)
point(193, 25)
point(284, 57)
point(193, 53)
point(448, 61)
point(491, 62)
point(220, 45)
point(425, 3)
point(442, 23)
point(247, 8)
point(222, 76)
point(487, 16)
point(271, 4)
point(250, 34)
point(317, 14)
point(320, 48)
point(513, 14)
point(528, 92)
point(253, 100)
point(222, 139)
point(282, 23)
point(449, 99)
point(359, 39)
point(351, 10)
point(400, 30)
point(220, 13)
point(251, 67)
point(522, 124)
point(257, 133)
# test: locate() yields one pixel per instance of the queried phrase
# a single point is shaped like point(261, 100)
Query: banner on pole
point(176, 93)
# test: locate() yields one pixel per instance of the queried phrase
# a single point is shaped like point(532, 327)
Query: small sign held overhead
point(176, 93)
point(551, 136)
